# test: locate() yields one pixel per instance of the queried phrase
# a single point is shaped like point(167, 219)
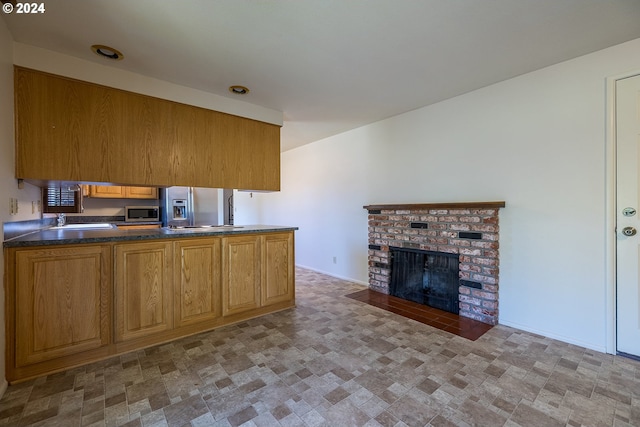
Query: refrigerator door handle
point(191, 206)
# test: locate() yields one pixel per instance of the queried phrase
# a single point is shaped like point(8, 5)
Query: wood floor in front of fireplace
point(450, 322)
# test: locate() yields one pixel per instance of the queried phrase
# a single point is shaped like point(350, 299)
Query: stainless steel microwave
point(141, 213)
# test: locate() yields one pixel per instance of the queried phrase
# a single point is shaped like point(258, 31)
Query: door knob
point(629, 231)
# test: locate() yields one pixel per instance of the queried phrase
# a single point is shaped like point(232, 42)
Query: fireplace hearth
point(467, 232)
point(425, 277)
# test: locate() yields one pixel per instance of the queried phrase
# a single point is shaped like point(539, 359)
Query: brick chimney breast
point(470, 230)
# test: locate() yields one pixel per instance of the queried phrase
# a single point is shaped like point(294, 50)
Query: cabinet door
point(240, 274)
point(140, 192)
point(63, 302)
point(121, 192)
point(224, 151)
point(65, 130)
point(197, 280)
point(143, 289)
point(107, 191)
point(278, 285)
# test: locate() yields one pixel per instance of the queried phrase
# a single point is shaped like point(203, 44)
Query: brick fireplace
point(470, 230)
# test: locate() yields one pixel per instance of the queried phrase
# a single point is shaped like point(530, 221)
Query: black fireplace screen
point(425, 277)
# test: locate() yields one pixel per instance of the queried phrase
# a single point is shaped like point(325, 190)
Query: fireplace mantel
point(442, 205)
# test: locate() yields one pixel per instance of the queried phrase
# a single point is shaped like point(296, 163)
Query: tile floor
point(335, 361)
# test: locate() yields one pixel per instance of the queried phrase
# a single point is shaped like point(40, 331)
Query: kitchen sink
point(86, 226)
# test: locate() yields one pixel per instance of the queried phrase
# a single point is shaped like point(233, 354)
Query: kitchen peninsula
point(77, 296)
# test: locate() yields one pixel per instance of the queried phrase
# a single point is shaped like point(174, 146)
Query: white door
point(628, 217)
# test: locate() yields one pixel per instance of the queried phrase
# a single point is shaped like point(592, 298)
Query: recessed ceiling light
point(238, 90)
point(107, 52)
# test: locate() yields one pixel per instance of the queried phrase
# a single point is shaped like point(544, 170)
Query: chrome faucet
point(62, 219)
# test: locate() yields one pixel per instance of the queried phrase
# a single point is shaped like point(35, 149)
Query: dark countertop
point(51, 236)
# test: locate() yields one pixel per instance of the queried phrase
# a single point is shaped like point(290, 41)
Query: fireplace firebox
point(426, 277)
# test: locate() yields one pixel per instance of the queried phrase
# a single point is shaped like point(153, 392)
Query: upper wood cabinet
point(122, 192)
point(140, 193)
point(106, 191)
point(69, 130)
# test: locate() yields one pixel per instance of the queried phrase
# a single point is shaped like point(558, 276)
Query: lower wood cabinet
point(68, 305)
point(279, 281)
point(197, 281)
point(241, 271)
point(258, 271)
point(58, 305)
point(144, 289)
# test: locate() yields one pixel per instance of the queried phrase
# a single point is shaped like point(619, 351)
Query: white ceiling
point(332, 65)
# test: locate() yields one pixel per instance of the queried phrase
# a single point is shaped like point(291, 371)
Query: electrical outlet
point(13, 206)
point(33, 206)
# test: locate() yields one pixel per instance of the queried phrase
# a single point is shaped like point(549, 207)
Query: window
point(62, 199)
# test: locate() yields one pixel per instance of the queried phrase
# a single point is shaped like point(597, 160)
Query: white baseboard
point(348, 279)
point(3, 388)
point(568, 340)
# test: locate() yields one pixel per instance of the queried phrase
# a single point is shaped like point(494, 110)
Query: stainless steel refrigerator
point(191, 206)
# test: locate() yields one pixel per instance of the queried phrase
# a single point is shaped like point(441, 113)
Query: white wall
point(9, 185)
point(536, 141)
